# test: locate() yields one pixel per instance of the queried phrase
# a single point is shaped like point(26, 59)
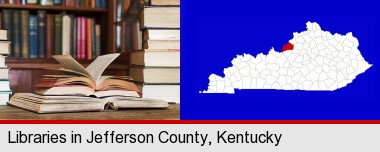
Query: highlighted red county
point(287, 47)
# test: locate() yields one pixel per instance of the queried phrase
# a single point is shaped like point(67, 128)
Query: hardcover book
point(41, 34)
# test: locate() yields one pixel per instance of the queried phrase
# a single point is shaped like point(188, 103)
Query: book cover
point(79, 37)
point(58, 34)
point(83, 38)
point(33, 36)
point(66, 39)
point(25, 33)
point(41, 33)
point(50, 34)
point(16, 39)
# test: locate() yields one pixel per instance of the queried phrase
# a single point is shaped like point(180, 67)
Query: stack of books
point(42, 35)
point(156, 68)
point(77, 3)
point(83, 89)
point(5, 90)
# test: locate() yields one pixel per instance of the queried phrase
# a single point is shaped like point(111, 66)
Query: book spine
point(1, 20)
point(18, 1)
point(74, 37)
point(97, 40)
point(23, 2)
point(57, 2)
point(93, 39)
point(79, 37)
point(89, 39)
point(33, 36)
point(50, 35)
point(25, 33)
point(31, 1)
point(58, 34)
point(66, 24)
point(98, 3)
point(70, 3)
point(104, 3)
point(41, 33)
point(46, 2)
point(16, 33)
point(7, 24)
point(83, 40)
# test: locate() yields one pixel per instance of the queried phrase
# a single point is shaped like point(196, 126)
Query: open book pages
point(77, 90)
point(93, 71)
point(57, 104)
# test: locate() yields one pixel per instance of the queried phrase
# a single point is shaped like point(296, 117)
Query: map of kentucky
point(314, 60)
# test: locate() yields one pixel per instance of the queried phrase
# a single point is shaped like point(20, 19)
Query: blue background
point(214, 32)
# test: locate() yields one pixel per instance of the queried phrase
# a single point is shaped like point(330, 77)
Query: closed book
point(50, 35)
point(3, 35)
point(7, 22)
point(4, 85)
point(160, 17)
point(1, 20)
point(104, 3)
point(46, 2)
point(4, 47)
point(162, 44)
point(4, 97)
point(18, 1)
point(83, 38)
point(93, 47)
point(16, 39)
point(74, 37)
point(98, 3)
point(58, 2)
point(41, 33)
point(70, 2)
point(88, 39)
point(66, 37)
point(58, 34)
point(25, 33)
point(31, 1)
point(161, 34)
point(98, 40)
point(79, 37)
point(168, 58)
point(33, 36)
point(2, 61)
point(169, 93)
point(155, 75)
point(4, 73)
point(165, 2)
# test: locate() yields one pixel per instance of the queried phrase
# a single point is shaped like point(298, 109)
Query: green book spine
point(25, 33)
point(74, 37)
point(58, 34)
point(7, 24)
point(16, 25)
point(97, 40)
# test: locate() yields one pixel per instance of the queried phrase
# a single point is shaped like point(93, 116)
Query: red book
point(18, 1)
point(70, 2)
point(88, 39)
point(79, 38)
point(83, 35)
point(49, 35)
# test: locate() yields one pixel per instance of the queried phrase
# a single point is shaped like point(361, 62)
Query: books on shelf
point(58, 104)
point(42, 35)
point(86, 81)
point(160, 17)
point(5, 90)
point(76, 3)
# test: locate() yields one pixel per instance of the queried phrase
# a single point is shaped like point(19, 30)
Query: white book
point(66, 37)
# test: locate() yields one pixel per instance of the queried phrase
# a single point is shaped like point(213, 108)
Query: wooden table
point(8, 112)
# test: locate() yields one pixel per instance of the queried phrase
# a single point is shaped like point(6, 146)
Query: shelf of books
point(40, 29)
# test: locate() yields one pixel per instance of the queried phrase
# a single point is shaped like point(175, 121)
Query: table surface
point(12, 113)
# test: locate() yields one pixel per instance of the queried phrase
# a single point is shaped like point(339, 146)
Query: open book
point(57, 104)
point(86, 81)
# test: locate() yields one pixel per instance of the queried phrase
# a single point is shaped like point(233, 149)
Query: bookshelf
point(25, 72)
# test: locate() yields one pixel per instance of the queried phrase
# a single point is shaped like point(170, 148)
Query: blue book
point(41, 33)
point(98, 3)
point(33, 36)
point(104, 3)
point(57, 2)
